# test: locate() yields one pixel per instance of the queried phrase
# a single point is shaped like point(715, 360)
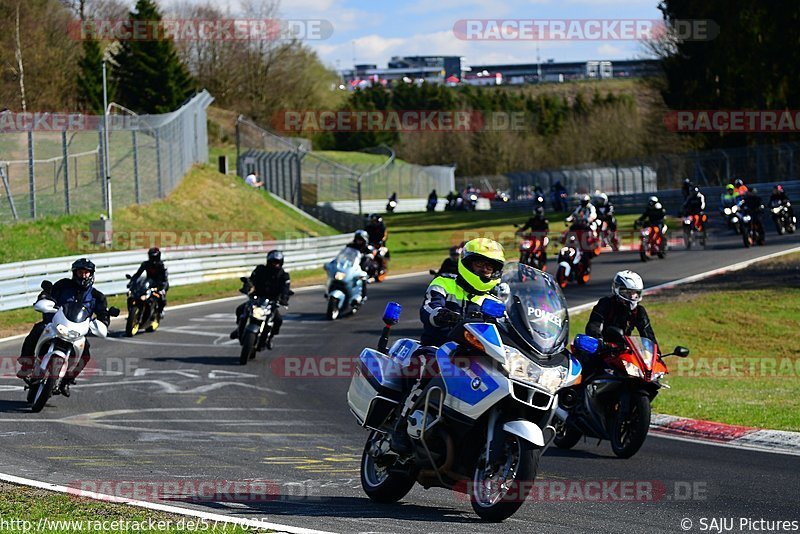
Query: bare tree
point(18, 55)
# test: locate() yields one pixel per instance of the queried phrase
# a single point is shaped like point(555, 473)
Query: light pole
point(105, 140)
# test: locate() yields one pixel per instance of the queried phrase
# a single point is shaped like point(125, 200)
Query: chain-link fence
point(325, 180)
point(46, 172)
point(761, 163)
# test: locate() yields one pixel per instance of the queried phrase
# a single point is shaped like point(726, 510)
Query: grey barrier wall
point(20, 282)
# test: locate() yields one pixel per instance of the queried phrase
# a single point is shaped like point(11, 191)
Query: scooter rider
point(272, 282)
point(449, 299)
point(157, 273)
point(360, 243)
point(79, 288)
point(621, 309)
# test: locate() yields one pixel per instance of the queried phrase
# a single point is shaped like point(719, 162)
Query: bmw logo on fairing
point(476, 383)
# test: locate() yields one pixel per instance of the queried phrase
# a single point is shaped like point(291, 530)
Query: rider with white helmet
point(621, 309)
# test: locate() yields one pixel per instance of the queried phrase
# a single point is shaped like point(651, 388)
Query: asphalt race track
point(176, 406)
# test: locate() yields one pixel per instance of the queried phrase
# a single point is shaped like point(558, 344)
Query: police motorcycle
point(60, 347)
point(479, 424)
point(345, 283)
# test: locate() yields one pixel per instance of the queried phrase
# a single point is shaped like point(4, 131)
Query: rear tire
point(248, 347)
point(628, 434)
point(746, 239)
point(333, 309)
point(687, 239)
point(561, 277)
point(643, 252)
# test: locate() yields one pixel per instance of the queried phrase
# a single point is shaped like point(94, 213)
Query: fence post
point(136, 185)
point(65, 156)
point(7, 186)
point(298, 194)
point(101, 153)
point(31, 176)
point(158, 165)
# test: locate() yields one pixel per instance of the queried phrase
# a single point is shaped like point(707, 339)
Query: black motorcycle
point(783, 216)
point(752, 228)
point(143, 301)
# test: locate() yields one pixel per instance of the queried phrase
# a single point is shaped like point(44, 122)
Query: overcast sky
point(372, 31)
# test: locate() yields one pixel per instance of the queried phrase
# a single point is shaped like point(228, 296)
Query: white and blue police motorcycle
point(479, 409)
point(345, 283)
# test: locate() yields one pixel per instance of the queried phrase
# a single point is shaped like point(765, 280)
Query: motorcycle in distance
point(653, 242)
point(783, 216)
point(392, 203)
point(142, 306)
point(533, 250)
point(613, 404)
point(343, 289)
point(381, 267)
point(255, 325)
point(732, 218)
point(607, 237)
point(571, 264)
point(481, 423)
point(60, 346)
point(752, 229)
point(694, 229)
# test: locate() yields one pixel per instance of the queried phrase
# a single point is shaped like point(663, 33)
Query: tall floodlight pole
point(105, 137)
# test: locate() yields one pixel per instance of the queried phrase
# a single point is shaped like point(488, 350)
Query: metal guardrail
point(20, 282)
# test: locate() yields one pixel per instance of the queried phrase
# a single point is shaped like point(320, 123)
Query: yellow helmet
point(485, 249)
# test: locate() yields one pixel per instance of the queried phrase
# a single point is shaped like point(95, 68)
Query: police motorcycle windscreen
point(536, 308)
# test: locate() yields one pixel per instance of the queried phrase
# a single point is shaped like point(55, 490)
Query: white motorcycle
point(481, 423)
point(60, 347)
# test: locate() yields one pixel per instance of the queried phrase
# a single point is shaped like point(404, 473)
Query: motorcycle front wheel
point(248, 347)
point(566, 436)
point(333, 309)
point(132, 323)
point(630, 429)
point(379, 481)
point(498, 491)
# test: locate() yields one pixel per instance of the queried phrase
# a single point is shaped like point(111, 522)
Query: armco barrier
point(20, 282)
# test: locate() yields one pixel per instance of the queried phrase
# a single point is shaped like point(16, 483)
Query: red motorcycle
point(533, 251)
point(654, 241)
point(614, 403)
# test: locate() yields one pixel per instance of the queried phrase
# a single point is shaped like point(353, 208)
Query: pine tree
point(150, 76)
point(90, 78)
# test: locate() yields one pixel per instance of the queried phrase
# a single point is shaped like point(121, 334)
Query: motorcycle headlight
point(776, 210)
point(339, 276)
point(746, 218)
point(646, 231)
point(143, 297)
point(632, 370)
point(521, 368)
point(734, 209)
point(687, 220)
point(259, 313)
point(727, 211)
point(66, 333)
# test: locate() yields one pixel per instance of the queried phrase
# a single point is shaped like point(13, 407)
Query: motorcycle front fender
point(567, 267)
point(54, 355)
point(338, 295)
point(526, 430)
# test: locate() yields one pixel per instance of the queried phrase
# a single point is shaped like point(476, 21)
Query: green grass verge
point(24, 509)
point(354, 158)
point(205, 201)
point(744, 368)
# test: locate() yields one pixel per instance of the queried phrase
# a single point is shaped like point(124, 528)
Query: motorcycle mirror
point(391, 315)
point(128, 276)
point(113, 311)
point(47, 285)
point(431, 271)
point(243, 279)
point(587, 344)
point(680, 352)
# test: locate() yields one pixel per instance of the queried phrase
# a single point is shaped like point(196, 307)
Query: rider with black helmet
point(537, 223)
point(157, 273)
point(78, 288)
point(269, 281)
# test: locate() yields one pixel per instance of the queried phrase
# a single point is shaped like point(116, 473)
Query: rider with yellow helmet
point(449, 297)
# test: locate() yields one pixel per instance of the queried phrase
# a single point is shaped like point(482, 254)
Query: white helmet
point(627, 286)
